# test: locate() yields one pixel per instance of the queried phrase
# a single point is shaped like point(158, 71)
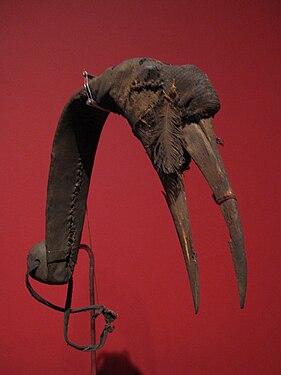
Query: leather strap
point(109, 315)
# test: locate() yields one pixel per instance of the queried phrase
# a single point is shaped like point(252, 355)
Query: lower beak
point(200, 143)
point(176, 200)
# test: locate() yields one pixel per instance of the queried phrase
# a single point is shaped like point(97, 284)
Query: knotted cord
point(95, 310)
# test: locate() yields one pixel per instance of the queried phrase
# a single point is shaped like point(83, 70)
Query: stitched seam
point(72, 230)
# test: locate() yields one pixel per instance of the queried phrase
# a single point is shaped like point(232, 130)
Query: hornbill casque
point(170, 110)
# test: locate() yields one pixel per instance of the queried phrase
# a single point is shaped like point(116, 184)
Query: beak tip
point(194, 284)
point(242, 299)
point(242, 287)
point(196, 298)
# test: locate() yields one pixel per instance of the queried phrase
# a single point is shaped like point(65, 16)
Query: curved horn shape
point(201, 145)
point(176, 200)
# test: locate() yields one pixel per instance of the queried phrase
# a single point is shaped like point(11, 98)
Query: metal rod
point(92, 302)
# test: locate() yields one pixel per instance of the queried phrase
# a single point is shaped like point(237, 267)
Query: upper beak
point(200, 143)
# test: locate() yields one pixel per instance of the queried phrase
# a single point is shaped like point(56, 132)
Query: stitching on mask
point(72, 230)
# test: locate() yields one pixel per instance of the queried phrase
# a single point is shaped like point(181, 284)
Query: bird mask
point(170, 110)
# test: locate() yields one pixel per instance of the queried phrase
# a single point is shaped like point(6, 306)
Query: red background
point(140, 270)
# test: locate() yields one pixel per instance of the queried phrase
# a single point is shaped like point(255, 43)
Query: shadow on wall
point(114, 363)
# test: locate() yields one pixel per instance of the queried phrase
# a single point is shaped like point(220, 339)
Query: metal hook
point(90, 101)
point(86, 75)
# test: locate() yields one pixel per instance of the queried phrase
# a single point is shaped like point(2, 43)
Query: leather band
point(228, 195)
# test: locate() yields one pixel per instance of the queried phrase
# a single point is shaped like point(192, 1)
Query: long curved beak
point(200, 143)
point(177, 203)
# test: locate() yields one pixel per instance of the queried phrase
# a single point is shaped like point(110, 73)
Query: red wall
point(140, 270)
